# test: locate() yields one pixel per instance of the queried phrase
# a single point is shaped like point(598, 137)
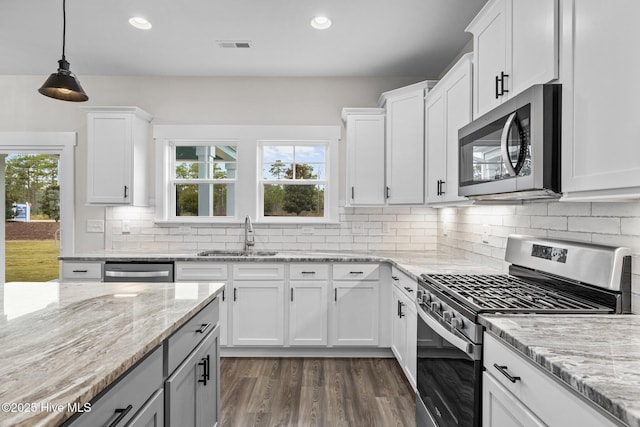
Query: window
point(220, 174)
point(294, 179)
point(203, 179)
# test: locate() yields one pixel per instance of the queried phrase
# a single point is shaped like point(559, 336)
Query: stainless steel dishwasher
point(138, 272)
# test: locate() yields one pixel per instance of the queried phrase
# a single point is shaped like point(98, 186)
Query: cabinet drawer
point(131, 390)
point(82, 270)
point(308, 271)
point(185, 339)
point(405, 283)
point(259, 271)
point(190, 271)
point(554, 403)
point(350, 271)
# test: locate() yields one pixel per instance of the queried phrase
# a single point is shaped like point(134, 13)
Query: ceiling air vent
point(234, 44)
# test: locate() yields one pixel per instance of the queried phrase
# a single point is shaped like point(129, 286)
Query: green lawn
point(31, 261)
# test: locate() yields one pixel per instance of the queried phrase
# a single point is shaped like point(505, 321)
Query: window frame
point(262, 182)
point(248, 181)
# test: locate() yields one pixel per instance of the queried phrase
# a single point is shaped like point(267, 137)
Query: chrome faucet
point(249, 239)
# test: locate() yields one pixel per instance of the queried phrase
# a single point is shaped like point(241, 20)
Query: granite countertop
point(413, 263)
point(62, 343)
point(598, 356)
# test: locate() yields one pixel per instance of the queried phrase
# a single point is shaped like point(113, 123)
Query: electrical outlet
point(126, 227)
point(95, 226)
point(357, 228)
point(485, 233)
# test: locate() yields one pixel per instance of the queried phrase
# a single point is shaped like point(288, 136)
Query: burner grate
point(506, 293)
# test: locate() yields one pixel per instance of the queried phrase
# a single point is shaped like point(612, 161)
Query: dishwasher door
point(138, 272)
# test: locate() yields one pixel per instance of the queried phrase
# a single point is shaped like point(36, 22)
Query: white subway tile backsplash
point(630, 226)
point(616, 209)
point(549, 222)
point(601, 225)
point(569, 209)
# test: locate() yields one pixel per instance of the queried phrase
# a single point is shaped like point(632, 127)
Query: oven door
point(449, 373)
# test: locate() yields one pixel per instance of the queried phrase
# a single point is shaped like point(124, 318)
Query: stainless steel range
point(545, 276)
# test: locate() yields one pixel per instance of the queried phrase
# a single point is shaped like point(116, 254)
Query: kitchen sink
point(224, 253)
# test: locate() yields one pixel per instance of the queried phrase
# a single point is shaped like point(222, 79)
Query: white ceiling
point(368, 37)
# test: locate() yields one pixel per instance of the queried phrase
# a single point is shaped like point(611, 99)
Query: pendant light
point(63, 85)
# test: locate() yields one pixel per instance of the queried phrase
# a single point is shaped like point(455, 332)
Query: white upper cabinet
point(365, 156)
point(405, 143)
point(600, 92)
point(117, 155)
point(447, 109)
point(515, 46)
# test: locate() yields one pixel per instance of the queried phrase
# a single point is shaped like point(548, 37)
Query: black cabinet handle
point(126, 191)
point(308, 272)
point(400, 313)
point(497, 87)
point(388, 191)
point(356, 272)
point(203, 328)
point(80, 271)
point(223, 295)
point(408, 289)
point(291, 294)
point(395, 278)
point(121, 414)
point(353, 192)
point(335, 295)
point(235, 294)
point(502, 77)
point(503, 370)
point(205, 373)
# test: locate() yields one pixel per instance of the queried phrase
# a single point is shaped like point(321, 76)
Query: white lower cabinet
point(308, 302)
point(258, 313)
point(404, 330)
point(354, 313)
point(518, 393)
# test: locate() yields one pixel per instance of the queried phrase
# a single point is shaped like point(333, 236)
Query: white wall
point(614, 224)
point(215, 100)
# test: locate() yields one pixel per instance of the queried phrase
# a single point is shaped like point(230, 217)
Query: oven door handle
point(460, 343)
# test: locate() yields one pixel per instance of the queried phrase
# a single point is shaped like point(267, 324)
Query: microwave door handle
point(504, 147)
point(459, 343)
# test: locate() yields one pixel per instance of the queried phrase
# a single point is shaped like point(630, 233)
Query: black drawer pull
point(408, 289)
point(395, 277)
point(80, 271)
point(203, 328)
point(356, 272)
point(121, 414)
point(308, 272)
point(503, 370)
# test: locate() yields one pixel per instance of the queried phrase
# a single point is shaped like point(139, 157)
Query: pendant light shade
point(63, 84)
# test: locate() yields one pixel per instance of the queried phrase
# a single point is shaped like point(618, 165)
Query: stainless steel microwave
point(513, 151)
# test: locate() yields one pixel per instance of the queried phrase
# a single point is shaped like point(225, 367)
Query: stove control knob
point(448, 316)
point(457, 323)
point(419, 296)
point(436, 306)
point(426, 297)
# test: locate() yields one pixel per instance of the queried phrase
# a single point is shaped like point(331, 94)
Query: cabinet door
point(365, 159)
point(405, 148)
point(534, 52)
point(600, 149)
point(258, 313)
point(109, 139)
point(457, 96)
point(490, 35)
point(411, 359)
point(355, 313)
point(500, 408)
point(151, 414)
point(435, 141)
point(308, 313)
point(192, 398)
point(399, 327)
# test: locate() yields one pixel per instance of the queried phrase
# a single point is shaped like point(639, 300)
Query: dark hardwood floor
point(327, 392)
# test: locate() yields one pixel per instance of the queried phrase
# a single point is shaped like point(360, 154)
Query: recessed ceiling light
point(321, 22)
point(140, 23)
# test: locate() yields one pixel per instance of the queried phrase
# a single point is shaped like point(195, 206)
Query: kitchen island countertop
point(598, 356)
point(63, 343)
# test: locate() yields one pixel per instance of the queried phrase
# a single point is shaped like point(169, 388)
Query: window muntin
point(203, 179)
point(294, 180)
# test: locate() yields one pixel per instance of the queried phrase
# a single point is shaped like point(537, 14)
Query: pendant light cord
point(64, 25)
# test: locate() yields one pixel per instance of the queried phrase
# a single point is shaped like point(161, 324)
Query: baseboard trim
point(384, 352)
